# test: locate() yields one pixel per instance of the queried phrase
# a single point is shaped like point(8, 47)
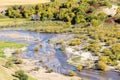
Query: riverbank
point(42, 58)
point(40, 73)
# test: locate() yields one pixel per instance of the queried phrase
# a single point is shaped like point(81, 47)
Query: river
point(50, 56)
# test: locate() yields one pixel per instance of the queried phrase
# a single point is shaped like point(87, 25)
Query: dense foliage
point(70, 11)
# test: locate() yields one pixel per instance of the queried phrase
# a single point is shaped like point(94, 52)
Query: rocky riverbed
point(49, 56)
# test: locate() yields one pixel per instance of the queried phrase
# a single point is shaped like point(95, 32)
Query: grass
point(21, 2)
point(22, 23)
point(31, 78)
point(76, 59)
point(4, 44)
point(5, 21)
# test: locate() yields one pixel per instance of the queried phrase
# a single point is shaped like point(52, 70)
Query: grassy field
point(21, 2)
point(4, 44)
point(10, 21)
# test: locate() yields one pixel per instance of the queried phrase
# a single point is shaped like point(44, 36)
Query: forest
point(69, 11)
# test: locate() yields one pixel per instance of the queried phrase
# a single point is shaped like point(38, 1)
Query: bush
point(18, 51)
point(102, 65)
point(36, 49)
point(96, 48)
point(72, 73)
point(110, 41)
point(116, 48)
point(75, 42)
point(21, 75)
point(49, 71)
point(79, 67)
point(9, 64)
point(107, 52)
point(18, 61)
point(95, 22)
point(41, 45)
point(2, 54)
point(114, 63)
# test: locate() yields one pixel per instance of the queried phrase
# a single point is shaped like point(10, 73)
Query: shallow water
point(50, 56)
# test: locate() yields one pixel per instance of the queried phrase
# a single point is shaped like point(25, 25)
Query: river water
point(50, 56)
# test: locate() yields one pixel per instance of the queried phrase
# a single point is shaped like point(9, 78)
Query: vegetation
point(98, 32)
point(94, 48)
point(75, 12)
point(102, 65)
point(75, 42)
point(79, 67)
point(21, 75)
point(72, 73)
point(36, 49)
point(49, 71)
point(4, 44)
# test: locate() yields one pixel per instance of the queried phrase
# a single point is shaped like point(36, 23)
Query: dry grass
point(21, 2)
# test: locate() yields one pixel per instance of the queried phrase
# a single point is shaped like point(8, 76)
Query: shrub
point(117, 35)
point(2, 54)
point(75, 42)
point(49, 71)
point(116, 48)
point(114, 63)
point(18, 51)
point(18, 61)
point(95, 22)
point(107, 52)
point(110, 41)
point(21, 75)
point(102, 65)
point(79, 67)
point(72, 73)
point(104, 59)
point(36, 49)
point(9, 64)
point(41, 45)
point(93, 47)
